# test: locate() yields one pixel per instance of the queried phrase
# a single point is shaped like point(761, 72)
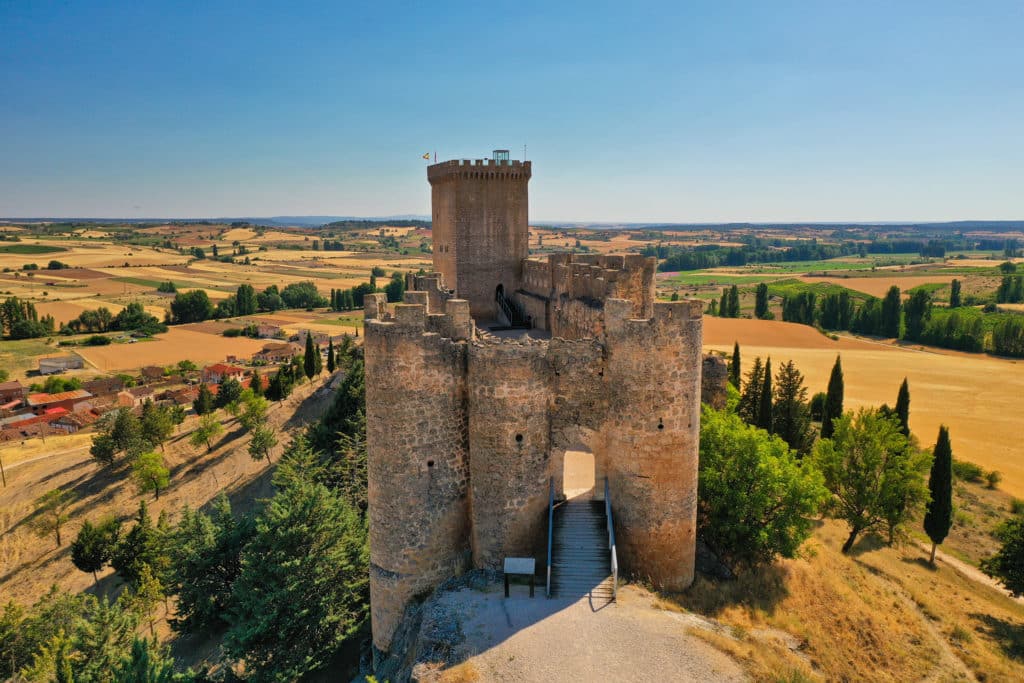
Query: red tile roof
point(44, 399)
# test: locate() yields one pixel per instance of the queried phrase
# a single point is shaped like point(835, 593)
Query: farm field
point(179, 343)
point(977, 396)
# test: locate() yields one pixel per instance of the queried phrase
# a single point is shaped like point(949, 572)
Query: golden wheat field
point(979, 397)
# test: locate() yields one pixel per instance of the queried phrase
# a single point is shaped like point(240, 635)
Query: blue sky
point(677, 111)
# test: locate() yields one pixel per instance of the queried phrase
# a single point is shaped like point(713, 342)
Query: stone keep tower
point(480, 231)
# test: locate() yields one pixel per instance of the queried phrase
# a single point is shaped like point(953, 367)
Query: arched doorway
point(578, 473)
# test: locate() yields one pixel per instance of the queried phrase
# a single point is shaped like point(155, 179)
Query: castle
point(476, 393)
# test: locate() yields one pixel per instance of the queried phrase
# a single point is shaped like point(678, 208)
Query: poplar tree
point(330, 356)
point(892, 306)
point(734, 302)
point(954, 294)
point(734, 367)
point(903, 408)
point(761, 301)
point(938, 517)
point(764, 409)
point(833, 407)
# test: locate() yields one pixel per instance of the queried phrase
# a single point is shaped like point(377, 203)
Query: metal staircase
point(582, 551)
point(515, 317)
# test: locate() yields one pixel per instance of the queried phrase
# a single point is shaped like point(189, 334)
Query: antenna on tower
point(524, 151)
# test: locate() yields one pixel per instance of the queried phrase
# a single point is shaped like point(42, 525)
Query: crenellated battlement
point(480, 169)
point(415, 316)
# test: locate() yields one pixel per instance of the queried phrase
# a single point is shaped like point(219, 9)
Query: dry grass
point(879, 615)
point(878, 286)
point(977, 396)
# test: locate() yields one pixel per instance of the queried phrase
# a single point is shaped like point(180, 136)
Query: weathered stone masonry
point(464, 429)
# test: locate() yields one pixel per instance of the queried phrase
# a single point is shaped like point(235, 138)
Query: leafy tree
point(150, 473)
point(52, 513)
point(205, 402)
point(302, 295)
point(261, 442)
point(817, 406)
point(790, 413)
point(833, 407)
point(756, 500)
point(156, 423)
point(954, 294)
point(302, 590)
point(209, 428)
point(1007, 564)
point(103, 449)
point(93, 548)
point(713, 307)
point(229, 391)
point(867, 469)
point(143, 545)
point(761, 301)
point(395, 289)
point(126, 433)
point(750, 399)
point(903, 408)
point(193, 306)
point(309, 356)
point(254, 411)
point(938, 517)
point(734, 366)
point(245, 300)
point(765, 419)
point(892, 305)
point(330, 356)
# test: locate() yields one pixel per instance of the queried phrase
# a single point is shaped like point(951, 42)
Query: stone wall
point(465, 433)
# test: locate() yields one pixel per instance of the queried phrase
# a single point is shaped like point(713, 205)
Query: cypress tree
point(330, 356)
point(713, 307)
point(309, 357)
point(764, 410)
point(204, 401)
point(734, 367)
point(833, 408)
point(938, 517)
point(791, 417)
point(903, 408)
point(723, 305)
point(761, 301)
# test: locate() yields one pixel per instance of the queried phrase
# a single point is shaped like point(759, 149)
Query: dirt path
point(970, 572)
point(525, 640)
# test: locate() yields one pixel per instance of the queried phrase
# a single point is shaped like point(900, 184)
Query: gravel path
point(526, 640)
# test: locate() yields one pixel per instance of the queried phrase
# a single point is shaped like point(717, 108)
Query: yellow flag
point(427, 156)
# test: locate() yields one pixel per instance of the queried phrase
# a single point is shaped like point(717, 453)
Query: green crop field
point(29, 249)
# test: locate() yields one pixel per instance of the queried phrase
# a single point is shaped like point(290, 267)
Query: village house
point(40, 403)
point(277, 352)
point(134, 396)
point(11, 391)
point(265, 330)
point(151, 373)
point(102, 386)
point(218, 372)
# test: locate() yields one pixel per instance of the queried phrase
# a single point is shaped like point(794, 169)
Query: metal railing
point(551, 528)
point(611, 540)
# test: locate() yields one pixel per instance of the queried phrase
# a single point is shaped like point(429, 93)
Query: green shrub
point(232, 332)
point(967, 471)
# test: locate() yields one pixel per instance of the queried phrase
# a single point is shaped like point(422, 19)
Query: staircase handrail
point(551, 527)
point(611, 540)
